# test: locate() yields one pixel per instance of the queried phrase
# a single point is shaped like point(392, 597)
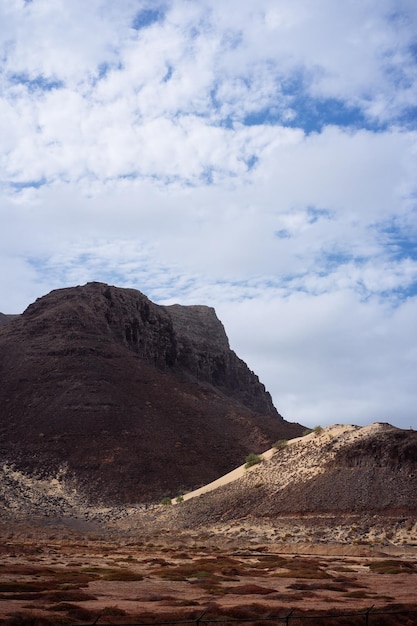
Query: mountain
point(125, 400)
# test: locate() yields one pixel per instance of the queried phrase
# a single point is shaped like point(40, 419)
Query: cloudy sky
point(258, 156)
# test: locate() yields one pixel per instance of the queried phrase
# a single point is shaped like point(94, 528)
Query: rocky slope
point(340, 482)
point(123, 400)
point(344, 485)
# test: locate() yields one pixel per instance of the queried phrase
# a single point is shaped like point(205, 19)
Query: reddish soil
point(58, 575)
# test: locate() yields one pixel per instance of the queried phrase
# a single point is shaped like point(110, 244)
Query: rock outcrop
point(203, 350)
point(126, 399)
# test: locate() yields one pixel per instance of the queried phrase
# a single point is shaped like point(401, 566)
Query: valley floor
point(76, 572)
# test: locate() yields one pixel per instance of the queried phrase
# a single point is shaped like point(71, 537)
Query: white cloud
point(330, 358)
point(257, 158)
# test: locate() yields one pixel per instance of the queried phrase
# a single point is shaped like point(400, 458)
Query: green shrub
point(166, 501)
point(317, 430)
point(252, 459)
point(179, 498)
point(281, 443)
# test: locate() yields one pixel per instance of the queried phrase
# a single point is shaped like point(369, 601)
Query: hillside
point(346, 485)
point(121, 400)
point(340, 483)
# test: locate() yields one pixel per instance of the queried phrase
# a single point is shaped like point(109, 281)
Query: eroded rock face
point(203, 350)
point(135, 400)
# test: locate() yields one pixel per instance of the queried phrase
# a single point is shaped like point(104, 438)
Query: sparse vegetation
point(52, 570)
point(252, 459)
point(317, 430)
point(112, 610)
point(166, 501)
point(281, 443)
point(275, 576)
point(393, 566)
point(122, 575)
point(179, 499)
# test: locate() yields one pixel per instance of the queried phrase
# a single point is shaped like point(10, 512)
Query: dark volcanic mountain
point(127, 399)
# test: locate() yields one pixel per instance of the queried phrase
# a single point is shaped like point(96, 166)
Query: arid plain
point(56, 574)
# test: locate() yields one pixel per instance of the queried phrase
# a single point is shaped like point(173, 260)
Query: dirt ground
point(79, 574)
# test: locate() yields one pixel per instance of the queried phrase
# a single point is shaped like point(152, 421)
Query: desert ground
point(223, 552)
point(69, 571)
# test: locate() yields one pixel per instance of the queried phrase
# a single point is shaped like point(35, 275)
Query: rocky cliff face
point(127, 398)
point(203, 350)
point(190, 339)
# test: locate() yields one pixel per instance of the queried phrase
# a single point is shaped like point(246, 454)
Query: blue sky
point(258, 157)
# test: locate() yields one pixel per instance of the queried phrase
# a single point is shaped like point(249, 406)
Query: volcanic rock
point(125, 400)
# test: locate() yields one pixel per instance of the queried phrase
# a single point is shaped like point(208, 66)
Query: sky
point(257, 156)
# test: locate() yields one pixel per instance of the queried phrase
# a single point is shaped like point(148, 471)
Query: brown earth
point(243, 549)
point(52, 574)
point(5, 319)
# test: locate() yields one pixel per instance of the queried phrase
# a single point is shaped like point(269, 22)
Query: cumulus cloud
point(354, 360)
point(259, 159)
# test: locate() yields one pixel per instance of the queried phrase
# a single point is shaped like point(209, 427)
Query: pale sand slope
point(227, 478)
point(341, 433)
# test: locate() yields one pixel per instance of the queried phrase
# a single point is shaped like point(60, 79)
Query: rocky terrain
point(85, 578)
point(339, 484)
point(112, 399)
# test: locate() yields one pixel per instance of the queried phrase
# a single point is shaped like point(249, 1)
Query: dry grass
point(250, 589)
point(73, 611)
point(392, 566)
point(122, 575)
point(181, 580)
point(215, 569)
